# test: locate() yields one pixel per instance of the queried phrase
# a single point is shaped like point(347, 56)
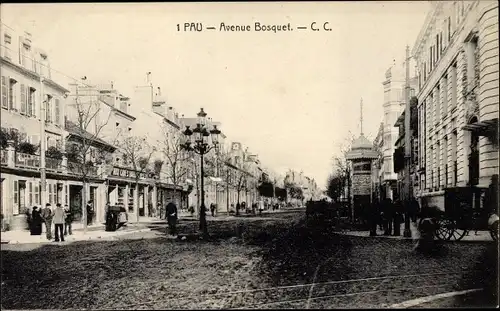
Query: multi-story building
point(25, 73)
point(457, 56)
point(394, 105)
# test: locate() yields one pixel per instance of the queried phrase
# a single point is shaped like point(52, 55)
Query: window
point(31, 102)
point(66, 194)
point(438, 49)
point(7, 39)
point(441, 49)
point(117, 124)
point(437, 107)
point(48, 108)
point(37, 193)
point(50, 194)
point(23, 99)
point(30, 193)
point(4, 92)
point(12, 94)
point(16, 192)
point(453, 98)
point(430, 59)
point(57, 118)
point(449, 29)
point(445, 95)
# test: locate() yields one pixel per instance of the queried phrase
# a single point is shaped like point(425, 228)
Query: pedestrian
point(374, 215)
point(261, 207)
point(397, 216)
point(68, 220)
point(212, 209)
point(47, 216)
point(388, 215)
point(172, 218)
point(90, 212)
point(59, 220)
point(238, 206)
point(36, 221)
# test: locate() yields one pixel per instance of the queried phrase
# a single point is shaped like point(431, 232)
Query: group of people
point(62, 219)
point(389, 215)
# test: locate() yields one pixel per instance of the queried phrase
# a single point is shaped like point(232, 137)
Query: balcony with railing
point(29, 161)
point(32, 162)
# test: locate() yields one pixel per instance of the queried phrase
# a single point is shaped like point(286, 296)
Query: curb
point(99, 237)
point(426, 299)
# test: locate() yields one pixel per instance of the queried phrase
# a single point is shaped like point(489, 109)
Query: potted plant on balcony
point(26, 147)
point(54, 153)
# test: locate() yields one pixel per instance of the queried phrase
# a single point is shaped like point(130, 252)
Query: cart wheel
point(494, 231)
point(444, 229)
point(458, 234)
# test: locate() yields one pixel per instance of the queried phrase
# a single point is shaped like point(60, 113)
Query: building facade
point(457, 57)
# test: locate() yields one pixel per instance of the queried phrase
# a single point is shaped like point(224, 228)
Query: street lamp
point(201, 146)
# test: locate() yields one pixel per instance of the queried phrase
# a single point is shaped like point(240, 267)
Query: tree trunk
point(84, 206)
point(238, 202)
point(136, 199)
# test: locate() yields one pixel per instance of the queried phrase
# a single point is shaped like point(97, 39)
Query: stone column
point(11, 154)
point(146, 200)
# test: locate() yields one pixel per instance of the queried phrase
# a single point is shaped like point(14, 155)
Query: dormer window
point(117, 124)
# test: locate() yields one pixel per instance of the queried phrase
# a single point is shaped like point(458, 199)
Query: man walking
point(47, 218)
point(172, 218)
point(59, 217)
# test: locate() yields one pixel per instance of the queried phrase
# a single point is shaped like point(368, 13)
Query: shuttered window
point(66, 194)
point(4, 93)
point(30, 194)
point(37, 193)
point(15, 210)
point(50, 194)
point(23, 99)
point(57, 109)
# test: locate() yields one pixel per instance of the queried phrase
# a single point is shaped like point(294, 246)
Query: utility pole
point(407, 184)
point(43, 141)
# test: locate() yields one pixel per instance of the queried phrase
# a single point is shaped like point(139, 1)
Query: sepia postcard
point(249, 155)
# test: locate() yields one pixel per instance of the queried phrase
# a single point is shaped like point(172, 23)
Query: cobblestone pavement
point(273, 263)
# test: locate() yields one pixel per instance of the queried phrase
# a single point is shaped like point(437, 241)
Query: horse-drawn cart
point(466, 210)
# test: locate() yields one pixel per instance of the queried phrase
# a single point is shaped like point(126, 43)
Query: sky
point(290, 97)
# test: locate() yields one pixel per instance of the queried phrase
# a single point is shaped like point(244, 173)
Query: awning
point(483, 128)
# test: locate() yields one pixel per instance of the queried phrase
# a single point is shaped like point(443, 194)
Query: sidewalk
point(93, 233)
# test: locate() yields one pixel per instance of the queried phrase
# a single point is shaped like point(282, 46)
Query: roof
point(361, 148)
point(361, 143)
point(74, 129)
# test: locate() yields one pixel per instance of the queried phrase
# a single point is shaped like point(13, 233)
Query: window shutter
point(57, 119)
point(5, 90)
point(16, 192)
point(23, 99)
point(30, 193)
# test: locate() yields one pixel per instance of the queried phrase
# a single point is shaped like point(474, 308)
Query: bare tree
point(178, 160)
point(241, 180)
point(341, 166)
point(89, 118)
point(137, 153)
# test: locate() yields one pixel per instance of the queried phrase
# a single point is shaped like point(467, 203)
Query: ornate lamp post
point(201, 146)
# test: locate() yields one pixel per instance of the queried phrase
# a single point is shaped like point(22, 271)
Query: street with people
point(275, 260)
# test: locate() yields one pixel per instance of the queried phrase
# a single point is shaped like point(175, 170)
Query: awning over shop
point(483, 128)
